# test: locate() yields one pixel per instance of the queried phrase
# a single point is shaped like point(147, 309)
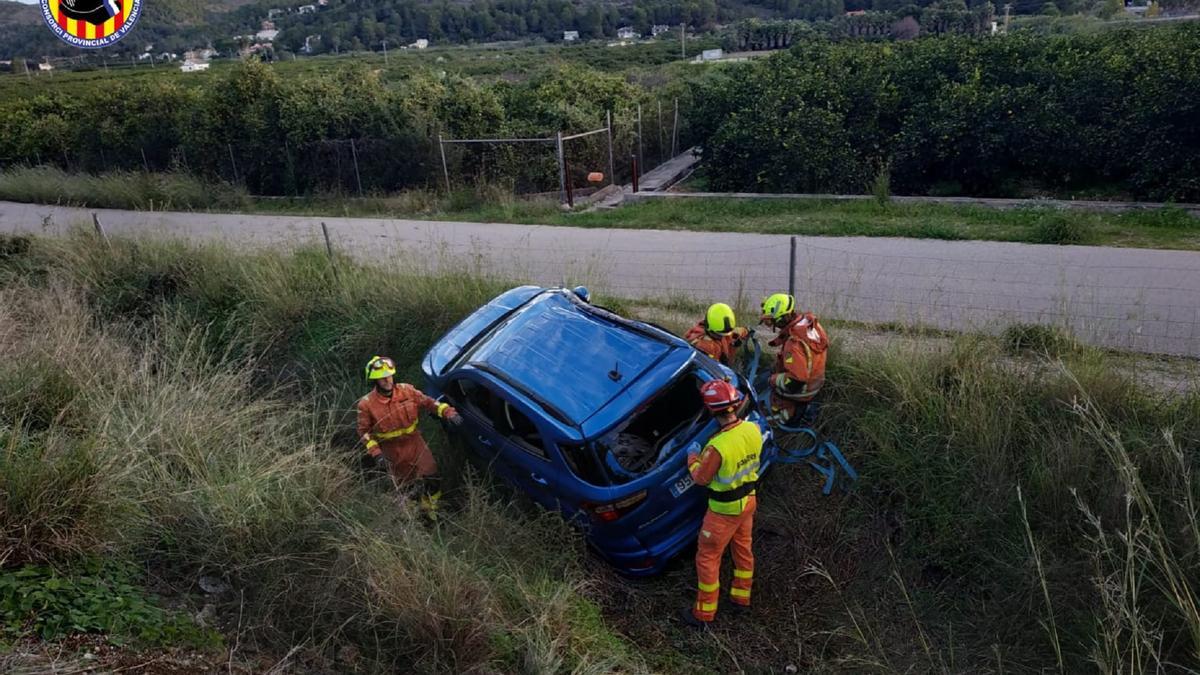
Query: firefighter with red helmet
point(728, 466)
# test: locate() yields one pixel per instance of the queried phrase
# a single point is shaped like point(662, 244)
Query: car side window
point(501, 414)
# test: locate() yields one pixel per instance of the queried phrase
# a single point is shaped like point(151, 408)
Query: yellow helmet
point(720, 319)
point(777, 305)
point(380, 367)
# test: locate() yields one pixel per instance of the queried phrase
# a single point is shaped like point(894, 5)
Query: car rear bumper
point(633, 557)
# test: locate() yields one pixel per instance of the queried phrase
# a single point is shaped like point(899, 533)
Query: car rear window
point(652, 435)
point(501, 414)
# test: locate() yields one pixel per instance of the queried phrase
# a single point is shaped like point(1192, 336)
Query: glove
point(455, 420)
point(373, 463)
point(694, 448)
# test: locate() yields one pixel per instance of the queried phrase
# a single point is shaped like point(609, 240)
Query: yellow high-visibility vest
point(740, 447)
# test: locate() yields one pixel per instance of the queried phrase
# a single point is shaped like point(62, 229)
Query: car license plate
point(681, 486)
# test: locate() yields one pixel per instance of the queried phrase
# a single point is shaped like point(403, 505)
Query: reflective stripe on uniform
point(742, 574)
point(441, 408)
point(751, 468)
point(708, 588)
point(740, 447)
point(739, 592)
point(693, 466)
point(388, 435)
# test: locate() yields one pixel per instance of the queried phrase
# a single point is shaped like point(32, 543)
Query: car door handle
point(484, 441)
point(537, 479)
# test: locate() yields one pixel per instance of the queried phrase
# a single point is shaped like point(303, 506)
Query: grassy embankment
point(1169, 228)
point(185, 410)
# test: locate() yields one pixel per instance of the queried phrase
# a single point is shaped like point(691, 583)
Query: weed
point(94, 598)
point(881, 187)
point(1039, 339)
point(1059, 229)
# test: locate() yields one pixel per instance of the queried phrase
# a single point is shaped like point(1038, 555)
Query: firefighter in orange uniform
point(799, 371)
point(387, 424)
point(718, 334)
point(728, 467)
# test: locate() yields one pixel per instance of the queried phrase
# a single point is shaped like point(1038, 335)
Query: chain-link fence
point(652, 131)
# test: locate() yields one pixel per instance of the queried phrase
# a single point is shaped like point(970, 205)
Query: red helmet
point(720, 395)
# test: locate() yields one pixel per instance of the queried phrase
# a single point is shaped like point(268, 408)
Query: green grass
point(190, 413)
point(1165, 228)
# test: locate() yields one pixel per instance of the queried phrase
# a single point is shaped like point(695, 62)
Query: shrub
point(1048, 340)
point(1059, 229)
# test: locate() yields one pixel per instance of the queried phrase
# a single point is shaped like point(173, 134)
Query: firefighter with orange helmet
point(718, 334)
point(799, 371)
point(728, 466)
point(387, 424)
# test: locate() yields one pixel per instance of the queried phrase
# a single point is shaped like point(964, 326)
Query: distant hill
point(18, 13)
point(341, 25)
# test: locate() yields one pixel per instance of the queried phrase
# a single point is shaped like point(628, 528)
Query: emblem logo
point(91, 24)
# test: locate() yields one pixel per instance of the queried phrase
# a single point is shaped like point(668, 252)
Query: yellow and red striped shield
point(107, 21)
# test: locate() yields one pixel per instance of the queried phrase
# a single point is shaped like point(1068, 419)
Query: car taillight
point(644, 564)
point(607, 513)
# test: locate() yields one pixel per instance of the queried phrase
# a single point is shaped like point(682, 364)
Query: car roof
point(574, 359)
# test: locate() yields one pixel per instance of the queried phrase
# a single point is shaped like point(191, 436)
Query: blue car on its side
point(587, 412)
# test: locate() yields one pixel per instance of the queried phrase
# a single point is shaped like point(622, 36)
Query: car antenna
point(615, 373)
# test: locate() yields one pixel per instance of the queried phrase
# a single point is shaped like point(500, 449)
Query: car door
point(506, 434)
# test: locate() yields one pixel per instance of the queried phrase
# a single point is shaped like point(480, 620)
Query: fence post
point(675, 131)
point(662, 144)
point(357, 175)
point(567, 180)
point(792, 270)
point(562, 168)
point(445, 170)
point(612, 177)
point(634, 164)
point(232, 161)
point(329, 251)
point(99, 228)
point(641, 157)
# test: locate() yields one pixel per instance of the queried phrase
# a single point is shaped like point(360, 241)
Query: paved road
point(1135, 299)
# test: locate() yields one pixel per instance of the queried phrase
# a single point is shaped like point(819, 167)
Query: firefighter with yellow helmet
point(387, 424)
point(718, 334)
point(799, 371)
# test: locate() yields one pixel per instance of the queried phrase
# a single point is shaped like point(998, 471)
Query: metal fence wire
point(652, 131)
point(1152, 308)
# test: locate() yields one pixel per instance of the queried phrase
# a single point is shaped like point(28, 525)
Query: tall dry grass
point(186, 409)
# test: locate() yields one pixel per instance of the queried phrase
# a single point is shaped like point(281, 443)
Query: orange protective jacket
point(804, 345)
point(388, 425)
point(723, 348)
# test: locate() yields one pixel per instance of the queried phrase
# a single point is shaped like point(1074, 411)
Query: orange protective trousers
point(718, 532)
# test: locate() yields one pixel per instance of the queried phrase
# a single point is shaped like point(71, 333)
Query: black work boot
point(737, 610)
point(690, 619)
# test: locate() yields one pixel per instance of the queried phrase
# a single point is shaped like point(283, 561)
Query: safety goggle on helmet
point(380, 367)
